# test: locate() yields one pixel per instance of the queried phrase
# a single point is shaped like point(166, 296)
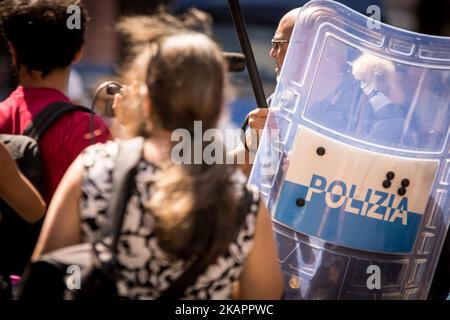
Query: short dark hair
point(39, 32)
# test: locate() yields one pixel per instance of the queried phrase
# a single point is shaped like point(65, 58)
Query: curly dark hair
point(38, 30)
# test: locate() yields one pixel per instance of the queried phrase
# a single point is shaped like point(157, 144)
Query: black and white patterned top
point(146, 270)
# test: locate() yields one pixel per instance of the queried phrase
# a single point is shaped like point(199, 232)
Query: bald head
point(287, 23)
point(283, 35)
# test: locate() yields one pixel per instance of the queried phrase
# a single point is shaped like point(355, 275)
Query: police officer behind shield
point(257, 118)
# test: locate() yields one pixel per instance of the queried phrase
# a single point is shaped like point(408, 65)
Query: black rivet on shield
point(401, 191)
point(386, 184)
point(300, 202)
point(405, 183)
point(390, 175)
point(320, 151)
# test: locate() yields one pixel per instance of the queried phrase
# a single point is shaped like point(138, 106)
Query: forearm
point(24, 199)
point(17, 191)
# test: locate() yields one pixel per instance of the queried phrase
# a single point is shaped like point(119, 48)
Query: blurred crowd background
point(104, 51)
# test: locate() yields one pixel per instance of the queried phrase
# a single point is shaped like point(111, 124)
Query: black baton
point(249, 57)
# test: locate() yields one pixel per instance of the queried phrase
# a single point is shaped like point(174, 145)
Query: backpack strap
point(50, 115)
point(125, 166)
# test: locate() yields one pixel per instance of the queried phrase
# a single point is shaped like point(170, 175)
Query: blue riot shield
point(354, 160)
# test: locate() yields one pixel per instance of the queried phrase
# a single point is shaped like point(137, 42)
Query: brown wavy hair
point(184, 74)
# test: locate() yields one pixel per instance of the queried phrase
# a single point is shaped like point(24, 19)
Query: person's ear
point(78, 55)
point(13, 53)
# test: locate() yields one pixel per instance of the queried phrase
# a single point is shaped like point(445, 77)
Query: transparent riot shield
point(354, 160)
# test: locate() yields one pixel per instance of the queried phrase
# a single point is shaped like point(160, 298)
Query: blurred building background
point(104, 51)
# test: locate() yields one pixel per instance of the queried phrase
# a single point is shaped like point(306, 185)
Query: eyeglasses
point(276, 43)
